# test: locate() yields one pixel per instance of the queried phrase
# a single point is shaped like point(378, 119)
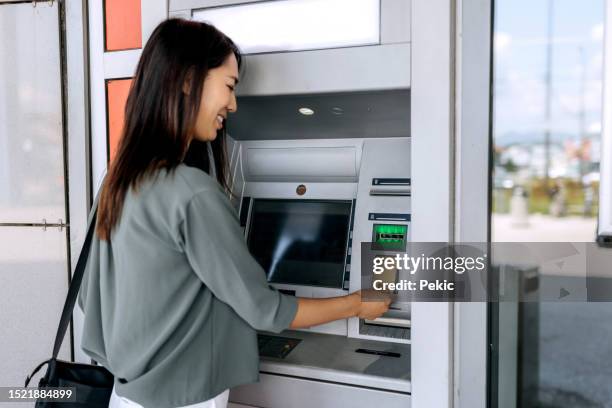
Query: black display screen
point(300, 242)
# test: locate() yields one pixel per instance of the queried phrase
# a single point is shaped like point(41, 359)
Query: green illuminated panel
point(388, 233)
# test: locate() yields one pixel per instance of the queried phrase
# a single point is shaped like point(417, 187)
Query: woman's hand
point(371, 309)
point(312, 312)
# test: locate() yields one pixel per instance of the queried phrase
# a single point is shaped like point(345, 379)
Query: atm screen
point(300, 242)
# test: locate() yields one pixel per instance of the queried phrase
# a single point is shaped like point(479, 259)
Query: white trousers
point(220, 401)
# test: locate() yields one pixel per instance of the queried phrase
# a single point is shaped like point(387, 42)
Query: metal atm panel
point(332, 359)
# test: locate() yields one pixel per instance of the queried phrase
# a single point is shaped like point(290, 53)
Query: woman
point(172, 297)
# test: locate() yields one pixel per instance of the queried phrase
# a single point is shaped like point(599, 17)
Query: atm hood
point(358, 92)
point(370, 114)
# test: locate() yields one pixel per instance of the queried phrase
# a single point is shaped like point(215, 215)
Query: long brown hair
point(160, 118)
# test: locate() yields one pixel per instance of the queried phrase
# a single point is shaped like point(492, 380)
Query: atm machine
point(306, 207)
point(346, 108)
point(320, 159)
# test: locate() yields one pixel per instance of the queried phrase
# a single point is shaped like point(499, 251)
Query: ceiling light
point(306, 111)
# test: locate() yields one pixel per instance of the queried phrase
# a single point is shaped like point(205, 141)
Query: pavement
point(543, 228)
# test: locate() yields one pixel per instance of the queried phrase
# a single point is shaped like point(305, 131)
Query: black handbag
point(93, 384)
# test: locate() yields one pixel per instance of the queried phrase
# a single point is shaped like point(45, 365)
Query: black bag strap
point(77, 278)
point(37, 369)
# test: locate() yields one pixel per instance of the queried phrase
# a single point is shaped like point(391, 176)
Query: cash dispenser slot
point(391, 182)
point(388, 217)
point(393, 324)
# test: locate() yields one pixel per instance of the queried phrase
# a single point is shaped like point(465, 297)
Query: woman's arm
point(216, 250)
point(312, 312)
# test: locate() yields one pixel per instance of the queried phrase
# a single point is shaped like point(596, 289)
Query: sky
point(521, 39)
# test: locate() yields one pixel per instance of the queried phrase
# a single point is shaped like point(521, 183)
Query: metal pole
point(548, 79)
point(582, 115)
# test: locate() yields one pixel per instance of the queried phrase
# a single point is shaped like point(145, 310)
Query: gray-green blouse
point(173, 300)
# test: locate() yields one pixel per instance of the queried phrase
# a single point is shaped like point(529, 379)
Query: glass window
point(304, 24)
point(33, 261)
point(34, 282)
point(31, 137)
point(547, 151)
point(547, 120)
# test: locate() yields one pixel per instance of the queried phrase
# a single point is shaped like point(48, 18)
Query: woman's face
point(218, 99)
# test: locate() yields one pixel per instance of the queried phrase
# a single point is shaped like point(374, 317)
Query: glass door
point(34, 267)
point(545, 181)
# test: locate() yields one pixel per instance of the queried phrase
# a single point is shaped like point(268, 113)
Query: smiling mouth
point(219, 120)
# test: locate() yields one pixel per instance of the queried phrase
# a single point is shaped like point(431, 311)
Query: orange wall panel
point(123, 24)
point(116, 97)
